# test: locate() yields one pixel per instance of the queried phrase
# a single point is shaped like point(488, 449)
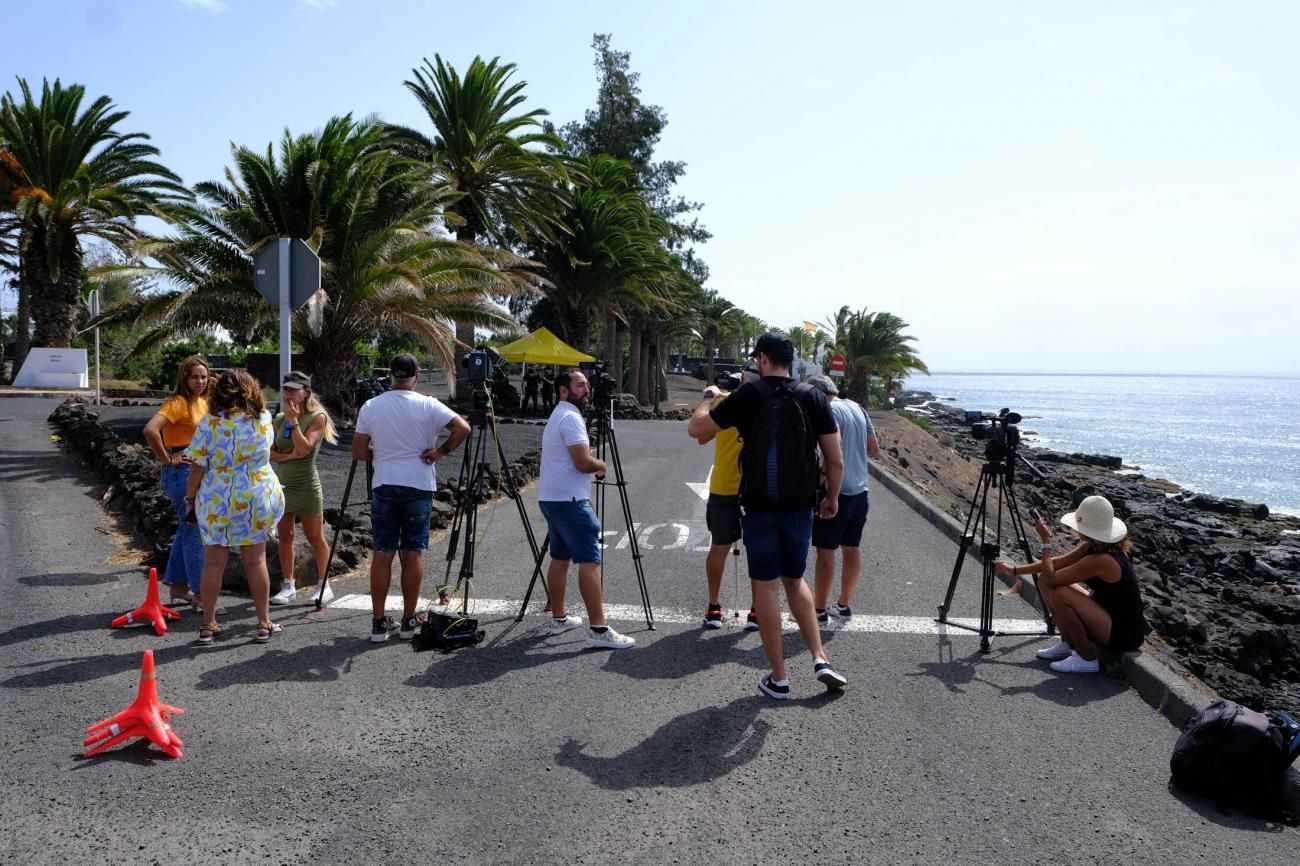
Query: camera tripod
point(996, 472)
point(338, 526)
point(600, 430)
point(472, 491)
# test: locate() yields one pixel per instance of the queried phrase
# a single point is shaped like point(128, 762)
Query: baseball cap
point(404, 366)
point(776, 346)
point(825, 384)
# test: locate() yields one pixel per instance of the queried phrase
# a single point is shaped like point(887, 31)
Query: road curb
point(1175, 694)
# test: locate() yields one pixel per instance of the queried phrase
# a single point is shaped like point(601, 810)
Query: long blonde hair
point(313, 404)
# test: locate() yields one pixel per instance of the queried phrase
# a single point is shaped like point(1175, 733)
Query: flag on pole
point(811, 327)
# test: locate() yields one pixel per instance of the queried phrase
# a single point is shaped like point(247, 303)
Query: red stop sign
point(837, 363)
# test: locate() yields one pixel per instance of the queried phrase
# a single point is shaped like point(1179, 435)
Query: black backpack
point(778, 461)
point(1238, 757)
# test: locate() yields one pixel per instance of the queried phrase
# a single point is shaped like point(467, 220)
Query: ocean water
point(1233, 436)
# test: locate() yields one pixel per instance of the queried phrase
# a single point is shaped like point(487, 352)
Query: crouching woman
point(1091, 591)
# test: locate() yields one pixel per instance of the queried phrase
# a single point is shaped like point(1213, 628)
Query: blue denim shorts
point(574, 530)
point(399, 517)
point(776, 543)
point(845, 527)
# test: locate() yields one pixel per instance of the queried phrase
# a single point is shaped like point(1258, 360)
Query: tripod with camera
point(445, 630)
point(600, 431)
point(997, 472)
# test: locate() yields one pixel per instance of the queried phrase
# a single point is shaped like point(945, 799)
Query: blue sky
point(1088, 186)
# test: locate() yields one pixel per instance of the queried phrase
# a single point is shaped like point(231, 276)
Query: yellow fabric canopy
point(542, 347)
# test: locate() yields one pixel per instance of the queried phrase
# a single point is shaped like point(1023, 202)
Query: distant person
point(168, 435)
point(548, 390)
point(1092, 591)
point(564, 496)
point(844, 530)
point(396, 432)
point(300, 428)
point(722, 511)
point(532, 385)
point(781, 426)
point(234, 495)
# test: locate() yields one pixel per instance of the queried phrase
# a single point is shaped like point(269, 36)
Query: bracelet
point(1046, 545)
point(189, 499)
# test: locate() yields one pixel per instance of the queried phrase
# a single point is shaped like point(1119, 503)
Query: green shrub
point(924, 423)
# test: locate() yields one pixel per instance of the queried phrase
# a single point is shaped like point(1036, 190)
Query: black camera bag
point(1238, 757)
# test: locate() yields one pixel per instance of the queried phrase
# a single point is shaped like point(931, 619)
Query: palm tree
point(610, 256)
point(873, 344)
point(714, 315)
point(506, 185)
point(66, 175)
point(369, 214)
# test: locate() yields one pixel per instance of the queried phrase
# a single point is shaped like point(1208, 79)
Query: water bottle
point(288, 429)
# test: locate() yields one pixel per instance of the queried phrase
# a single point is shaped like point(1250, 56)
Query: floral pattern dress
point(239, 501)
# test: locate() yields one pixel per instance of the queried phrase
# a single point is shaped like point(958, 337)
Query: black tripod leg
point(1022, 538)
point(537, 572)
point(621, 484)
point(334, 542)
point(974, 520)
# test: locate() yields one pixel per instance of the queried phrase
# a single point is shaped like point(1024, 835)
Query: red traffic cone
point(151, 611)
point(146, 717)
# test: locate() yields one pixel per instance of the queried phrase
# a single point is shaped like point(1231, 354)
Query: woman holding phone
point(1091, 591)
point(300, 428)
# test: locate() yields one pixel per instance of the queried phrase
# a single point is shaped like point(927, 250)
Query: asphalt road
point(529, 748)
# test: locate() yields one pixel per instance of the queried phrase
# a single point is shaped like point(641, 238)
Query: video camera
point(603, 385)
point(478, 365)
point(1000, 431)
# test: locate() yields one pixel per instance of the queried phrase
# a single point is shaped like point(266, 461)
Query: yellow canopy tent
point(542, 347)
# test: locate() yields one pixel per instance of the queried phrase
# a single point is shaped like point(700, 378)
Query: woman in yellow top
point(299, 430)
point(234, 496)
point(168, 434)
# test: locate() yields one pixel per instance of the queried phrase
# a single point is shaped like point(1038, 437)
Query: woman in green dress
point(299, 431)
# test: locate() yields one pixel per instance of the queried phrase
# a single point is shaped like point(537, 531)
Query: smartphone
point(1036, 515)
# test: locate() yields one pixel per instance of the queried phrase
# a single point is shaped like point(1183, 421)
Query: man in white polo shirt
point(396, 432)
point(564, 495)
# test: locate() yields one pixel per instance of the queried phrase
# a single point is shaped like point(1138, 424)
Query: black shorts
point(845, 528)
point(722, 516)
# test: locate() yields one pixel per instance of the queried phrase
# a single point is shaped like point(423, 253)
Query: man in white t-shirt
point(564, 495)
point(396, 432)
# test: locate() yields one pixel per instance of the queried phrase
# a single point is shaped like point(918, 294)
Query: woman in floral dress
point(234, 495)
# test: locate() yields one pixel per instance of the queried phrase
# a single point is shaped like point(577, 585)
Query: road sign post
point(287, 274)
point(838, 363)
point(93, 303)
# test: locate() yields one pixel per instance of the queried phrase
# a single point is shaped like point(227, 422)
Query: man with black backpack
point(781, 425)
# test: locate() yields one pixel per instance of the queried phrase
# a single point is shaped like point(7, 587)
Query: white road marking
point(499, 607)
point(701, 488)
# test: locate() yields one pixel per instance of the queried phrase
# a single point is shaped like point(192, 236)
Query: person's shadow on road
point(691, 749)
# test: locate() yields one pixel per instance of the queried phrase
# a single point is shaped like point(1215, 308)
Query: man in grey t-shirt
point(844, 530)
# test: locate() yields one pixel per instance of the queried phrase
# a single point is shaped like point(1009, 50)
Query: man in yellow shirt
point(722, 513)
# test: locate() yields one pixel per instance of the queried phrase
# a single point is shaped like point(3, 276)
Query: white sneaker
point(560, 626)
point(1062, 650)
point(1076, 664)
point(286, 594)
point(610, 639)
point(324, 599)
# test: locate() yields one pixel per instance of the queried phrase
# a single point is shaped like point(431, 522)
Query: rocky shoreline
point(1221, 577)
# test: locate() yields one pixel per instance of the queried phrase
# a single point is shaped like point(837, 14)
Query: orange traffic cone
point(146, 717)
point(151, 611)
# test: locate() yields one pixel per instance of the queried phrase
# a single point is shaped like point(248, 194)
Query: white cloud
point(207, 5)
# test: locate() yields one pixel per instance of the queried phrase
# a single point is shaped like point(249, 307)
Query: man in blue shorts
point(844, 530)
point(396, 432)
point(564, 495)
point(777, 536)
